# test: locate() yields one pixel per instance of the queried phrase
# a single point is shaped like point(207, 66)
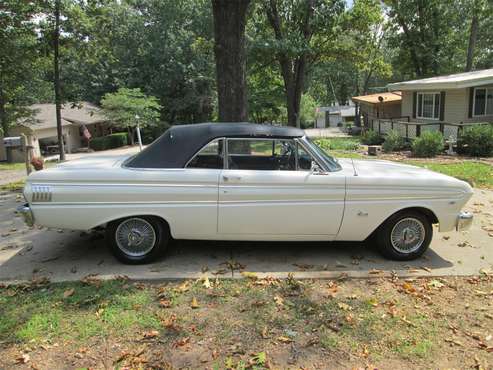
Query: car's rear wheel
point(405, 236)
point(138, 239)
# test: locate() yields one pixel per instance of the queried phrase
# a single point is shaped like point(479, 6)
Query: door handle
point(227, 178)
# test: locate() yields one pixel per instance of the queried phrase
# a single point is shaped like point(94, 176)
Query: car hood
point(393, 173)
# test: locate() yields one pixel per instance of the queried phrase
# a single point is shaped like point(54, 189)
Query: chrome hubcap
point(135, 237)
point(407, 235)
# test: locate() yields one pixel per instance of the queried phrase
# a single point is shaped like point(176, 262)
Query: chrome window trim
point(198, 151)
point(318, 159)
point(295, 140)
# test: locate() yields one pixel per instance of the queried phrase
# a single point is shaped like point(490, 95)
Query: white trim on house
point(423, 93)
point(485, 114)
point(455, 81)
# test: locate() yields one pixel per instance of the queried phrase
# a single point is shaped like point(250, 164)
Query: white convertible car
point(241, 181)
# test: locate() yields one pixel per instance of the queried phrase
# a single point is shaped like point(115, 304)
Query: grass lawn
point(12, 166)
point(478, 174)
point(13, 186)
point(249, 323)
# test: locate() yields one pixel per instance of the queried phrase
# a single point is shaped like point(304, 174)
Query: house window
point(483, 101)
point(428, 106)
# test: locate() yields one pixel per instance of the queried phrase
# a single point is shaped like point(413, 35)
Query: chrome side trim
point(464, 221)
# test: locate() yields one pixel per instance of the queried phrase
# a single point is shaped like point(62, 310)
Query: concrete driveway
point(60, 255)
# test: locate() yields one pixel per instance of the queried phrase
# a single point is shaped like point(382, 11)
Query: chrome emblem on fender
point(41, 193)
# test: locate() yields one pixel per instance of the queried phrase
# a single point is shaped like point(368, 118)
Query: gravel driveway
point(60, 255)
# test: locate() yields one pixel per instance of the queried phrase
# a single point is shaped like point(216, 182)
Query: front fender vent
point(41, 193)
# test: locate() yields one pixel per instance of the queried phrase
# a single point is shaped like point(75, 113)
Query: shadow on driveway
point(60, 255)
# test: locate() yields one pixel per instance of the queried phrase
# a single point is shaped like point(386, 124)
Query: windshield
point(330, 161)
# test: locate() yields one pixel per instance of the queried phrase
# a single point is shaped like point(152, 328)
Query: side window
point(304, 159)
point(210, 156)
point(262, 154)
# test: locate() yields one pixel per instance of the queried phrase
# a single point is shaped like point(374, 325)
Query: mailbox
point(12, 141)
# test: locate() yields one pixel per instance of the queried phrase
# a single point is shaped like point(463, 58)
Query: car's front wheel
point(138, 239)
point(405, 236)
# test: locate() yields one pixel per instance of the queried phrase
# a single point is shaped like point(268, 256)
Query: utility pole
point(58, 98)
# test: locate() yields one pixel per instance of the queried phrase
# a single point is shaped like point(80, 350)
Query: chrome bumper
point(27, 214)
point(464, 221)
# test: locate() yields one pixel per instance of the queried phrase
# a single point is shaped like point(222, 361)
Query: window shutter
point(471, 101)
point(415, 95)
point(442, 106)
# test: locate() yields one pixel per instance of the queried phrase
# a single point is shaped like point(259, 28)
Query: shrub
point(476, 141)
point(109, 142)
point(371, 137)
point(429, 144)
point(338, 143)
point(393, 142)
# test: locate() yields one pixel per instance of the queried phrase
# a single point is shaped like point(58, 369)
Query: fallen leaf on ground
point(284, 339)
point(279, 300)
point(165, 303)
point(206, 283)
point(436, 284)
point(182, 342)
point(194, 303)
point(343, 306)
point(68, 293)
point(23, 359)
point(408, 287)
point(151, 334)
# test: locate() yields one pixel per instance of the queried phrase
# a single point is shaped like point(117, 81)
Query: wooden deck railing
point(411, 130)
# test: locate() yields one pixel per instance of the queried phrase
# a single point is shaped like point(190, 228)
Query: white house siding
point(456, 107)
point(407, 104)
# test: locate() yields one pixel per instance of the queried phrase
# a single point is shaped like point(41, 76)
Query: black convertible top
point(177, 145)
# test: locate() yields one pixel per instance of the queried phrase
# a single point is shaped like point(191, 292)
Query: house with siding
point(41, 129)
point(444, 103)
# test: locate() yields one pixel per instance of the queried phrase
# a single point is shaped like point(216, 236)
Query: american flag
point(85, 133)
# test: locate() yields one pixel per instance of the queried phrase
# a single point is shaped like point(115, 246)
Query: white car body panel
point(251, 205)
point(279, 197)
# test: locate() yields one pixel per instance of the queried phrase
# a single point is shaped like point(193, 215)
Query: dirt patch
point(251, 323)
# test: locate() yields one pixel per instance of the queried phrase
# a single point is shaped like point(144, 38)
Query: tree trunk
point(3, 116)
point(293, 70)
point(58, 98)
point(229, 35)
point(473, 34)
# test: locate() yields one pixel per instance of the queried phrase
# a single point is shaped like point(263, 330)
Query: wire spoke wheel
point(408, 235)
point(135, 237)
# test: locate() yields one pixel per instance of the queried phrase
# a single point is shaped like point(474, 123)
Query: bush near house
point(338, 143)
point(476, 141)
point(429, 144)
point(393, 142)
point(109, 142)
point(371, 137)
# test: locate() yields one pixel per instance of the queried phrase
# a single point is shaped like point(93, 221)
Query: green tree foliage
point(322, 52)
point(296, 34)
point(128, 107)
point(21, 82)
point(428, 36)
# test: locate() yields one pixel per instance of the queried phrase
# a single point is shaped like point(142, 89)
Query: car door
point(268, 189)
